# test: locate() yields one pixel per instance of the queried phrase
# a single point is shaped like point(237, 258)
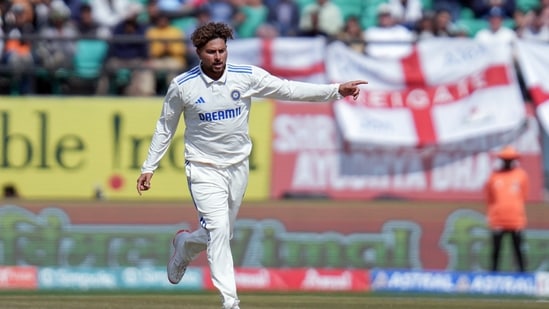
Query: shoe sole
point(174, 252)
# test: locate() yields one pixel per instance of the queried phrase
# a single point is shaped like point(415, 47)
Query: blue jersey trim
point(239, 69)
point(188, 75)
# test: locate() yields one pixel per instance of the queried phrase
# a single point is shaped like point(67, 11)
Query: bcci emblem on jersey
point(235, 94)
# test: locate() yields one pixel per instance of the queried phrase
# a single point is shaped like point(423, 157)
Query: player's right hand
point(144, 182)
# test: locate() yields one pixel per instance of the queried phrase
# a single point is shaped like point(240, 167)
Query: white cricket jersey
point(216, 112)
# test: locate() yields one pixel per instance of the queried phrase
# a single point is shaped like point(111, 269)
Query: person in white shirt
point(321, 17)
point(215, 99)
point(407, 12)
point(496, 31)
point(388, 39)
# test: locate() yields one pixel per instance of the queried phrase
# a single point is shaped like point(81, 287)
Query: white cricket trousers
point(217, 194)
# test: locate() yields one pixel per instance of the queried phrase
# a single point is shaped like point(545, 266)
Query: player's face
point(214, 57)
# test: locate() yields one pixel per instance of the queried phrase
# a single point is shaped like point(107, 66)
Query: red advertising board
point(297, 279)
point(18, 277)
point(309, 158)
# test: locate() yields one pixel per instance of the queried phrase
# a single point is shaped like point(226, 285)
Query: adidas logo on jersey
point(199, 101)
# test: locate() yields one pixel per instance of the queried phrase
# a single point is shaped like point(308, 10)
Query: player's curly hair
point(210, 31)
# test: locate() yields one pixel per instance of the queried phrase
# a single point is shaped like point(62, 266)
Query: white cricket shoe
point(177, 265)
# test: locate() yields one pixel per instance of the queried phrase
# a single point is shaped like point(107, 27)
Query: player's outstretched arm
point(351, 88)
point(144, 182)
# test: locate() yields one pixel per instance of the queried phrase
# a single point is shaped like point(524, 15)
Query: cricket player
point(214, 98)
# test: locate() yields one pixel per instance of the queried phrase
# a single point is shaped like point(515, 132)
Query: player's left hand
point(351, 88)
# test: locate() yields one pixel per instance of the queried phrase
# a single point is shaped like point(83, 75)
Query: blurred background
point(385, 193)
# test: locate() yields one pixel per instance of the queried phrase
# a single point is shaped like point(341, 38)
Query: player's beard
point(215, 70)
point(218, 67)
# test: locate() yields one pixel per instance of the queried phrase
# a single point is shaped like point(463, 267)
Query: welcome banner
point(443, 92)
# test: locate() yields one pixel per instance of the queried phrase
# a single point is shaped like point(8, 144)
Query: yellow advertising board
point(73, 147)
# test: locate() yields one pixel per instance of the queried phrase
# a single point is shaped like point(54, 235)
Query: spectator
point(387, 38)
point(482, 8)
point(55, 50)
point(1, 36)
point(443, 25)
point(18, 49)
point(202, 17)
point(521, 21)
point(88, 27)
point(26, 10)
point(506, 192)
point(284, 16)
point(425, 27)
point(406, 12)
point(321, 18)
point(74, 6)
point(167, 49)
point(496, 32)
point(538, 29)
point(352, 34)
point(128, 55)
point(453, 7)
point(249, 17)
point(222, 11)
point(109, 13)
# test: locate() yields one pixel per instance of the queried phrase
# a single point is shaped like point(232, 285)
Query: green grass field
point(186, 300)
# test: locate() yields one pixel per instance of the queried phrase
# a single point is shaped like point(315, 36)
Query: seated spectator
point(249, 17)
point(482, 8)
point(128, 52)
point(56, 49)
point(321, 18)
point(352, 34)
point(109, 13)
point(74, 6)
point(387, 38)
point(202, 17)
point(284, 16)
point(496, 31)
point(88, 27)
point(406, 12)
point(222, 11)
point(453, 7)
point(18, 54)
point(167, 49)
point(538, 29)
point(425, 27)
point(443, 25)
point(1, 37)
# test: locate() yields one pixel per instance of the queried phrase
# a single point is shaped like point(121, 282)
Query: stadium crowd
point(133, 47)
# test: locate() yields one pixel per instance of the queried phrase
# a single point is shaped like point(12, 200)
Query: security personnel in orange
point(506, 192)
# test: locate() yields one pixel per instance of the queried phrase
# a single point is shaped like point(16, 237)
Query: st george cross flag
point(299, 59)
point(445, 91)
point(533, 58)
